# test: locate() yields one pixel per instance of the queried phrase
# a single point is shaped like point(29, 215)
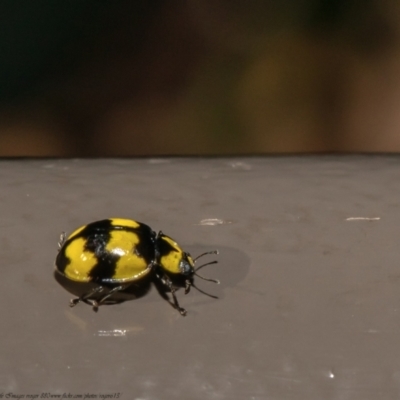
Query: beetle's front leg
point(188, 284)
point(167, 283)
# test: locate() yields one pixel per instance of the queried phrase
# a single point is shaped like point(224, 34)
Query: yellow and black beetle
point(115, 253)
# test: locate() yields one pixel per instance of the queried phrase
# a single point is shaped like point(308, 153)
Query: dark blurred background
point(157, 77)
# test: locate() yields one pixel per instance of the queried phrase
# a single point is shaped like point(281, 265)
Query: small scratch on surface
point(240, 165)
point(118, 332)
point(213, 221)
point(363, 219)
point(112, 332)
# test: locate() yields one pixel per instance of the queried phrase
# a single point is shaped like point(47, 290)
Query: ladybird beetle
point(115, 253)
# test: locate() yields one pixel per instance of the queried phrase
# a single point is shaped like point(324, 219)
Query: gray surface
point(309, 269)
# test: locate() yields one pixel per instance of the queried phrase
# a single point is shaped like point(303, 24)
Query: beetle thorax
point(172, 258)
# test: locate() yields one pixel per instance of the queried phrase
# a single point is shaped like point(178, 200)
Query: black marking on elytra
point(106, 261)
point(94, 228)
point(105, 268)
point(89, 233)
point(147, 239)
point(96, 243)
point(146, 246)
point(97, 235)
point(62, 261)
point(163, 246)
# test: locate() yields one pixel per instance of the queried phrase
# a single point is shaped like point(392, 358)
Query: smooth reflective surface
point(308, 306)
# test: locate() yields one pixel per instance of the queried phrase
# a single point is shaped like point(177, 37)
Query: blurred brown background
point(157, 77)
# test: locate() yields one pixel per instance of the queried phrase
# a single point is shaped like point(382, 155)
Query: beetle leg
point(62, 240)
point(188, 284)
point(166, 281)
point(110, 293)
point(86, 298)
point(94, 304)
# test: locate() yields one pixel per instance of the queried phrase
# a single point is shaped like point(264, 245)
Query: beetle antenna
point(208, 279)
point(202, 291)
point(203, 265)
point(207, 252)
